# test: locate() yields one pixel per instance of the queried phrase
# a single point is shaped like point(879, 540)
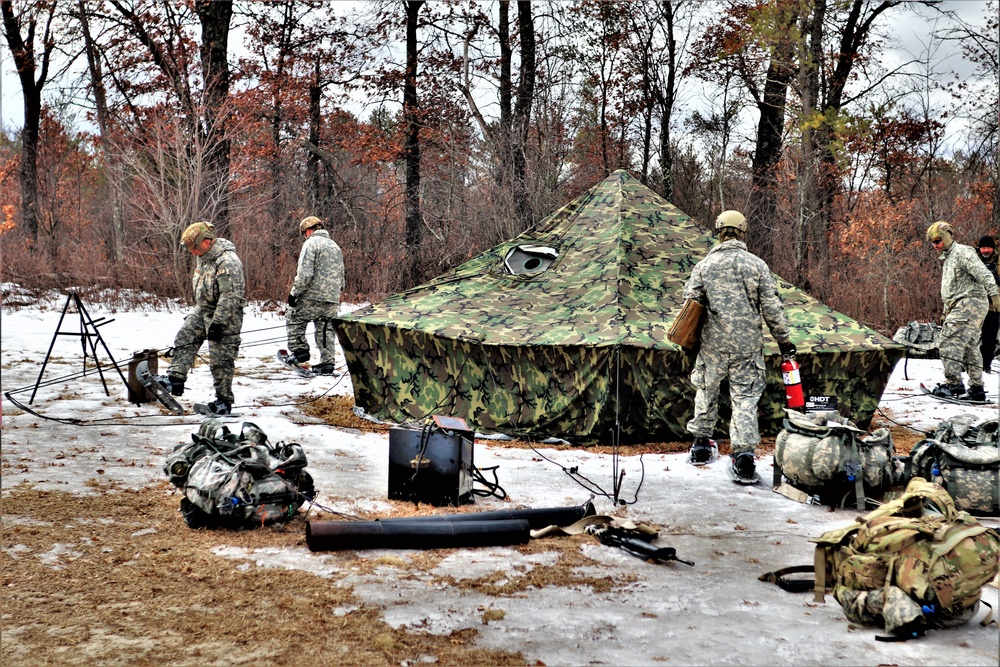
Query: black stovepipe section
point(341, 535)
point(536, 518)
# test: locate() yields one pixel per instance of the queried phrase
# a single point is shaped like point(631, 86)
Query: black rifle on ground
point(630, 541)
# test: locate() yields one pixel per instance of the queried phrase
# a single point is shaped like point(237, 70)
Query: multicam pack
point(237, 481)
point(827, 456)
point(920, 339)
point(916, 562)
point(965, 460)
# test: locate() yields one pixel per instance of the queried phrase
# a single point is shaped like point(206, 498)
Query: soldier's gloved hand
point(215, 332)
point(787, 349)
point(292, 299)
point(176, 385)
point(995, 303)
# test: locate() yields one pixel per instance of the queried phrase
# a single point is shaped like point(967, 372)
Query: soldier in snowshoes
point(968, 292)
point(315, 295)
point(219, 299)
point(737, 289)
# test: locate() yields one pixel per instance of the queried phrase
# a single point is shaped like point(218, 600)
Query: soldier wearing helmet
point(219, 299)
point(737, 290)
point(968, 292)
point(315, 295)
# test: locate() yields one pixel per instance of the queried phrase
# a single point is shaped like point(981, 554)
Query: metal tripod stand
point(89, 335)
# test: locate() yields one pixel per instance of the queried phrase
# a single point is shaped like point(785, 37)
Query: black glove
point(215, 332)
point(176, 385)
point(292, 299)
point(787, 349)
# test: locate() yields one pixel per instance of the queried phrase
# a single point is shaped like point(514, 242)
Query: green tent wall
point(579, 350)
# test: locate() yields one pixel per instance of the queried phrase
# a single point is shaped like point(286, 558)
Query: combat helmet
point(195, 233)
point(309, 223)
point(733, 219)
point(939, 229)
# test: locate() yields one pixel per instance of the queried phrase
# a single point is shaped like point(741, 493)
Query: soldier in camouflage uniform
point(968, 291)
point(991, 325)
point(315, 295)
point(219, 298)
point(736, 289)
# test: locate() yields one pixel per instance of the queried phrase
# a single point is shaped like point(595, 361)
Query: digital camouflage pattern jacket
point(737, 289)
point(963, 275)
point(219, 282)
point(320, 276)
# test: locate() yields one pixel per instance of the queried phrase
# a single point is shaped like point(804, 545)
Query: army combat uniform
point(318, 283)
point(736, 288)
point(219, 298)
point(966, 286)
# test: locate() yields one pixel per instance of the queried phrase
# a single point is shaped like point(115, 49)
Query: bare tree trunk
point(215, 16)
point(24, 52)
point(522, 112)
point(667, 103)
point(312, 166)
point(767, 154)
point(116, 233)
point(411, 151)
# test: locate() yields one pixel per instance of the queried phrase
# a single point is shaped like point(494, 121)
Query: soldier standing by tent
point(315, 295)
point(219, 298)
point(736, 288)
point(988, 344)
point(968, 292)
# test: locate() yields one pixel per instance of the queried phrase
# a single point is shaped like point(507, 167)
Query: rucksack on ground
point(915, 563)
point(920, 339)
point(238, 481)
point(827, 456)
point(965, 460)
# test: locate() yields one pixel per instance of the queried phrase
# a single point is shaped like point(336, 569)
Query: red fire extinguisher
point(793, 383)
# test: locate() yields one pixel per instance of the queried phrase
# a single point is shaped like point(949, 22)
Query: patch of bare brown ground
point(117, 578)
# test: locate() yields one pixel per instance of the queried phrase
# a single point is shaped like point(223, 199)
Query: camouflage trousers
point(746, 384)
point(221, 355)
point(959, 341)
point(319, 313)
point(890, 606)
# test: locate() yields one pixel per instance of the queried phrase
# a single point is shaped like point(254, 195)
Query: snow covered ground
point(716, 612)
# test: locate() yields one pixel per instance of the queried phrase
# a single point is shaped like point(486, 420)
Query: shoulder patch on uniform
point(225, 283)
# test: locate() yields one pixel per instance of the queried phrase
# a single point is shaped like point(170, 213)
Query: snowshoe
point(974, 394)
point(945, 390)
point(289, 359)
point(703, 452)
point(214, 409)
point(324, 369)
point(962, 399)
point(162, 394)
point(743, 469)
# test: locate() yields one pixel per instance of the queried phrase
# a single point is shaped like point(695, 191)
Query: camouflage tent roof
point(563, 350)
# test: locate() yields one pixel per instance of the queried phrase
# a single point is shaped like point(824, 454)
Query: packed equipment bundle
point(915, 563)
point(965, 460)
point(237, 481)
point(827, 456)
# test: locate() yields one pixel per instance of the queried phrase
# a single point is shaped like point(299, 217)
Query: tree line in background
point(426, 132)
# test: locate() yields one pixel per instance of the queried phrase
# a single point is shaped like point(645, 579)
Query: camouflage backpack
point(915, 563)
point(237, 481)
point(920, 339)
point(965, 460)
point(826, 455)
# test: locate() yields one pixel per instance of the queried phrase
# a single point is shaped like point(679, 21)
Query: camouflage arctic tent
point(562, 332)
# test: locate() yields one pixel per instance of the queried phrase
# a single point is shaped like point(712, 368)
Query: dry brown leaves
point(117, 578)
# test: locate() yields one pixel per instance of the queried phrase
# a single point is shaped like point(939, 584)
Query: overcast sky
point(913, 35)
